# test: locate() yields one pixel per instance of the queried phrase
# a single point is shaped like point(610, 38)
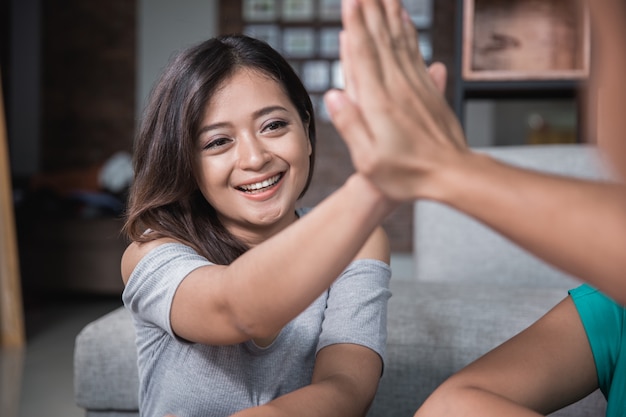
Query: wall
point(22, 98)
point(163, 27)
point(88, 82)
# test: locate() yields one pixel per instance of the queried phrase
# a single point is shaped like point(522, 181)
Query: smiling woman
point(236, 294)
point(256, 153)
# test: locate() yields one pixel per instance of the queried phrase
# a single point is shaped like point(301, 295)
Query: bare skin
point(404, 137)
point(542, 369)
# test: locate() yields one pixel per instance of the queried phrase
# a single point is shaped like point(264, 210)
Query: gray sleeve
point(153, 283)
point(356, 310)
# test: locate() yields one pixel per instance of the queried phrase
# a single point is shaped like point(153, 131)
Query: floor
point(38, 381)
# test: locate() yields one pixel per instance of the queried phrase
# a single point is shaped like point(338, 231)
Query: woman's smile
point(259, 187)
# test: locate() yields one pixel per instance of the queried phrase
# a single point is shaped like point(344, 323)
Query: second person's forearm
point(577, 225)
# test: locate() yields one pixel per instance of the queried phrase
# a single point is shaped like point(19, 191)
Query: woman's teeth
point(261, 185)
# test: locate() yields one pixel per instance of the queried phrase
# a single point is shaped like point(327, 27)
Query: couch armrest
point(105, 364)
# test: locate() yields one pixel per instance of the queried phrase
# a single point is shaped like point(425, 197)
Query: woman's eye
point(215, 143)
point(275, 125)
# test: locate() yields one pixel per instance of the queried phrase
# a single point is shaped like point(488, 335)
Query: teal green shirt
point(604, 322)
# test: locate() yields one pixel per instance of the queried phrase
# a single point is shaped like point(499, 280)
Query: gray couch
point(468, 291)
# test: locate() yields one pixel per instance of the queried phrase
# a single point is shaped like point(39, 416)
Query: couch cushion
point(105, 364)
point(435, 329)
point(450, 246)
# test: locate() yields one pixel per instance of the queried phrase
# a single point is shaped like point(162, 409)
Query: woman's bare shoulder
point(136, 251)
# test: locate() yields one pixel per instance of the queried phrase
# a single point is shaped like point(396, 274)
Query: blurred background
point(76, 74)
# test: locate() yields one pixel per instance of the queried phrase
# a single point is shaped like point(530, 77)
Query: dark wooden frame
point(11, 309)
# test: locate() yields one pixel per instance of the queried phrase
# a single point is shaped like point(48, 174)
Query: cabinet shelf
point(520, 89)
point(525, 40)
point(515, 58)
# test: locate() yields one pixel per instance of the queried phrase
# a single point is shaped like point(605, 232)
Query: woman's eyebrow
point(267, 110)
point(214, 126)
point(261, 112)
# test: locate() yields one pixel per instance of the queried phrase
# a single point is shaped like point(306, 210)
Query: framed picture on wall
point(260, 10)
point(321, 113)
point(426, 46)
point(299, 42)
point(298, 10)
point(420, 11)
point(316, 75)
point(330, 10)
point(329, 42)
point(267, 33)
point(337, 75)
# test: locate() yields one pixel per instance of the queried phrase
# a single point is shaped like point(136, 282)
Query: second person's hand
point(392, 115)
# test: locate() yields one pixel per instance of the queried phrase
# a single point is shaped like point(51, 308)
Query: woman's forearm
point(279, 278)
point(577, 225)
point(345, 391)
point(316, 400)
point(344, 382)
point(273, 282)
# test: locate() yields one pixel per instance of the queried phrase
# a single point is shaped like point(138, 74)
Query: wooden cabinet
point(524, 40)
point(521, 50)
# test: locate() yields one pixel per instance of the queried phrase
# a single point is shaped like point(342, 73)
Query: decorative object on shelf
point(321, 113)
point(420, 11)
point(298, 10)
point(543, 131)
point(337, 75)
point(116, 173)
point(299, 42)
point(426, 46)
point(525, 39)
point(329, 42)
point(260, 10)
point(268, 33)
point(316, 75)
point(330, 10)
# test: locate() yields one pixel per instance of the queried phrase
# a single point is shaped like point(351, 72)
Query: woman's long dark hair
point(164, 196)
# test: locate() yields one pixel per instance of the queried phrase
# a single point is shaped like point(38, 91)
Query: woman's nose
point(253, 154)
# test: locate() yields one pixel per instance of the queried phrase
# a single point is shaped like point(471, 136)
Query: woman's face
point(252, 156)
